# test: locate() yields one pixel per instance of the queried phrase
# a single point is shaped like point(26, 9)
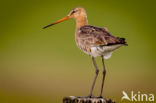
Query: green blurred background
point(43, 66)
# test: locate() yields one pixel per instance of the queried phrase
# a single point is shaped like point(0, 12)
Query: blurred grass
point(38, 66)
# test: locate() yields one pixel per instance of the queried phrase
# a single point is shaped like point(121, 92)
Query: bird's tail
point(123, 41)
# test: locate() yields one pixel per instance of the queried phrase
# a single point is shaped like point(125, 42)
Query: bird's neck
point(81, 21)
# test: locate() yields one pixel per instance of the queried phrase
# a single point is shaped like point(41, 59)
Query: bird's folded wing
point(96, 36)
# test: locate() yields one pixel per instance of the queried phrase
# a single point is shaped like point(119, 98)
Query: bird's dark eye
point(73, 11)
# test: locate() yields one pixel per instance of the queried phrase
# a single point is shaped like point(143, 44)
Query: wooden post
point(73, 99)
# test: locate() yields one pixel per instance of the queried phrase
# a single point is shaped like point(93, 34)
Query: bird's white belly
point(105, 51)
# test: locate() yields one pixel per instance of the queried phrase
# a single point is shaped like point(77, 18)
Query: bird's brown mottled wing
point(95, 36)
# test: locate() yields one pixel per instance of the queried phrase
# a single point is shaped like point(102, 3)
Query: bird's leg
point(104, 73)
point(96, 74)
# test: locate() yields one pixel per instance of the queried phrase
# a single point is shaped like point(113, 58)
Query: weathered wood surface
point(73, 99)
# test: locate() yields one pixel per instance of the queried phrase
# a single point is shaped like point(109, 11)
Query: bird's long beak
point(63, 19)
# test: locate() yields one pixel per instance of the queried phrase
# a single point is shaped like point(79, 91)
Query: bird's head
point(74, 14)
point(77, 13)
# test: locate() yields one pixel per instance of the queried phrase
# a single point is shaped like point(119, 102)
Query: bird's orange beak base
point(63, 19)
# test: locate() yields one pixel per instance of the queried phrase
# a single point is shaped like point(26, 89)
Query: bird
point(94, 41)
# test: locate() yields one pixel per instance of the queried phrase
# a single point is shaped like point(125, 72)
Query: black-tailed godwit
point(94, 41)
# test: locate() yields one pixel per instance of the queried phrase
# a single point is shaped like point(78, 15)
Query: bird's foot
point(100, 96)
point(90, 96)
point(84, 96)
